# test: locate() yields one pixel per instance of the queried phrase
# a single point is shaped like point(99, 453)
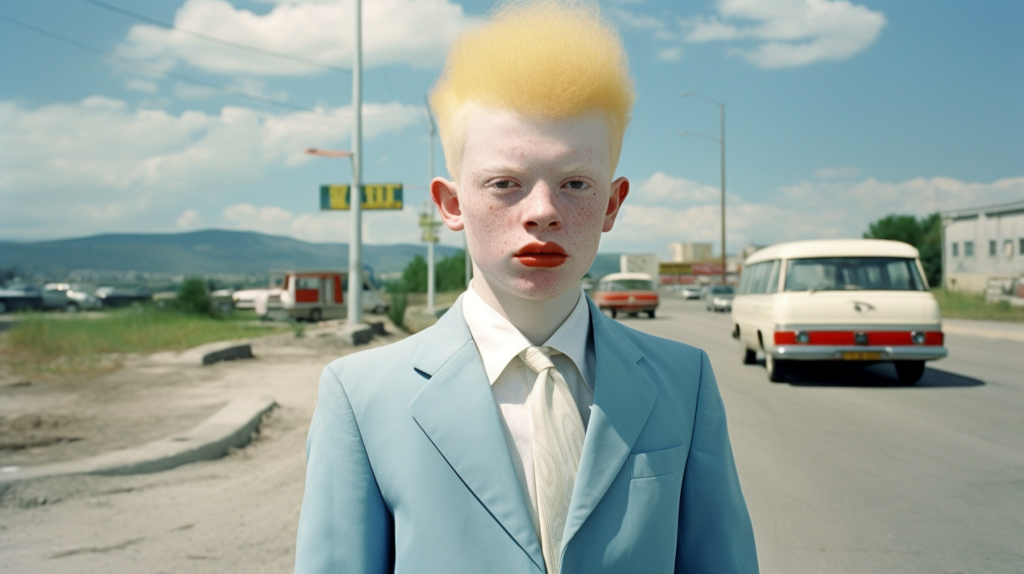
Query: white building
point(982, 243)
point(690, 252)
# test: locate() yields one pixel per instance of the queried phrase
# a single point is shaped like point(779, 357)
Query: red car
point(631, 293)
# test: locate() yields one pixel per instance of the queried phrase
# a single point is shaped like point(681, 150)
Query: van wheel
point(777, 370)
point(749, 356)
point(71, 308)
point(3, 306)
point(650, 314)
point(909, 372)
point(615, 312)
point(315, 315)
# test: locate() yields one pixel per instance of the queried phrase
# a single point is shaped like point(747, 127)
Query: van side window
point(773, 278)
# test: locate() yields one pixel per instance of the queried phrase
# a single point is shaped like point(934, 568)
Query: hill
point(210, 251)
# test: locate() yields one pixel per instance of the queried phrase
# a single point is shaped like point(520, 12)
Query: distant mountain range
point(211, 251)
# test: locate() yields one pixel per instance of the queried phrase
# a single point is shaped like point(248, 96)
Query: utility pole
point(355, 246)
point(721, 141)
point(428, 232)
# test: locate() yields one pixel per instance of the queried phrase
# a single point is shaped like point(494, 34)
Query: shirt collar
point(498, 341)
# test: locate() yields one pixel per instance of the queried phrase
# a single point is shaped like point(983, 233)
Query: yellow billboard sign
point(374, 196)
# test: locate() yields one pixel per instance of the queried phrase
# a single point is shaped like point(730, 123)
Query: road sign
point(374, 196)
point(675, 269)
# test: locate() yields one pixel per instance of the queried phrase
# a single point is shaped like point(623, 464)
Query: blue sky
point(838, 112)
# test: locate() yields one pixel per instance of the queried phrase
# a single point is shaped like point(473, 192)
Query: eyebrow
point(499, 168)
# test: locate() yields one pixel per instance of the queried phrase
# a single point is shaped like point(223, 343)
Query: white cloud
point(188, 220)
point(413, 32)
point(790, 33)
point(99, 164)
point(772, 33)
point(665, 209)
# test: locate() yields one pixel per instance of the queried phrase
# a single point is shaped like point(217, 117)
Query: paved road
point(844, 474)
point(850, 472)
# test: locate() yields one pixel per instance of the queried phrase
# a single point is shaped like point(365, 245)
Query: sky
point(837, 113)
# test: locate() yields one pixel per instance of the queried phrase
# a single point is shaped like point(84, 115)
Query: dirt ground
point(236, 514)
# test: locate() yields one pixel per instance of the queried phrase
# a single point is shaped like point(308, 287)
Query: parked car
point(66, 298)
point(849, 301)
point(18, 296)
point(719, 298)
point(121, 296)
point(631, 293)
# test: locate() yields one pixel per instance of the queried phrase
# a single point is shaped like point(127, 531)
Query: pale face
point(534, 197)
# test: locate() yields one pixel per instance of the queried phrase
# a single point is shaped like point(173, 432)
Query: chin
point(541, 285)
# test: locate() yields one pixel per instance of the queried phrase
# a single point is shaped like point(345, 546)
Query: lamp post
point(721, 141)
point(355, 247)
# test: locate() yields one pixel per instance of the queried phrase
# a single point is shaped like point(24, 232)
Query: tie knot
point(538, 358)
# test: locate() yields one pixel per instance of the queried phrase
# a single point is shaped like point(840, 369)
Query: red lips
point(546, 255)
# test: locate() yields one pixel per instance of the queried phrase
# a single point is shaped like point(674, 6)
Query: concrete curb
point(232, 353)
point(230, 427)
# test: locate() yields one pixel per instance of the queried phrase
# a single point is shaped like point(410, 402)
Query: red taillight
point(785, 337)
point(843, 338)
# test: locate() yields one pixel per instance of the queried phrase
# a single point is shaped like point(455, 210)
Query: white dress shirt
point(499, 344)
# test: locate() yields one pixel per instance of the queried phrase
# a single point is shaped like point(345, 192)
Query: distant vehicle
point(857, 301)
point(719, 298)
point(62, 296)
point(17, 297)
point(631, 293)
point(317, 295)
point(690, 291)
point(121, 296)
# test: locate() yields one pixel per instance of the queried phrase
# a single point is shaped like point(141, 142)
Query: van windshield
point(853, 273)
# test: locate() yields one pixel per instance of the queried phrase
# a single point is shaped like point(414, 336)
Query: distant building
point(689, 252)
point(982, 243)
point(639, 263)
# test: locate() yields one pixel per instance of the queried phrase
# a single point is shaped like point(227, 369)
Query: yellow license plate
point(861, 356)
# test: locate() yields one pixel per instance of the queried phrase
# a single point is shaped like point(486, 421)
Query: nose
point(541, 213)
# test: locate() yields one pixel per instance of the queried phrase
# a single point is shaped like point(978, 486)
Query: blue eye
point(577, 184)
point(503, 184)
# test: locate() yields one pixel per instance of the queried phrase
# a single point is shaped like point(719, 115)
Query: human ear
point(620, 189)
point(445, 196)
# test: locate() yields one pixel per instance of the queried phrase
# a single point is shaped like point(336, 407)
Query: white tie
point(557, 446)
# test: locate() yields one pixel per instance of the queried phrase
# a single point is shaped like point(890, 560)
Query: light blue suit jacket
point(409, 469)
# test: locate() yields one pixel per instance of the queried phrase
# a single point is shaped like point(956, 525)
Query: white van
point(857, 300)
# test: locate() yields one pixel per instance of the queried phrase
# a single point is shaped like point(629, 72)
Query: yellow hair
point(546, 59)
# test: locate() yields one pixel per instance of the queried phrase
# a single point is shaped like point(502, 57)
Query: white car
point(859, 301)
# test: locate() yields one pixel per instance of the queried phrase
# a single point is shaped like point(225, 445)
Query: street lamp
point(721, 141)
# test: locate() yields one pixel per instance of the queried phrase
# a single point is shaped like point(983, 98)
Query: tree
point(193, 297)
point(924, 234)
point(414, 278)
point(451, 273)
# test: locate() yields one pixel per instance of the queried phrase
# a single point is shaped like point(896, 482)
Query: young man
point(525, 431)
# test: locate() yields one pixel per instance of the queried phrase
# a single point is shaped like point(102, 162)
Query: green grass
point(957, 305)
point(48, 344)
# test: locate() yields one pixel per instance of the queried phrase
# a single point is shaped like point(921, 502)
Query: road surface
point(843, 472)
point(850, 472)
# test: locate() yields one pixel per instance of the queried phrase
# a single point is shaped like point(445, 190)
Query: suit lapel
point(457, 412)
point(623, 399)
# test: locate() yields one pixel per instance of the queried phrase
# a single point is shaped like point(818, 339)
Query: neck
point(536, 320)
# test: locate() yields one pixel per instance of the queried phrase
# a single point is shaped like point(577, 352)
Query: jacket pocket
point(659, 462)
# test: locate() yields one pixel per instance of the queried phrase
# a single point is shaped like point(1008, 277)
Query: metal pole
point(431, 281)
point(355, 247)
point(721, 109)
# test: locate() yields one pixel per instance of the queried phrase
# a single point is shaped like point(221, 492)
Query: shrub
point(399, 301)
point(193, 298)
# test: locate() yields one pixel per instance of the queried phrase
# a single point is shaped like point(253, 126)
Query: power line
point(214, 39)
point(152, 69)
